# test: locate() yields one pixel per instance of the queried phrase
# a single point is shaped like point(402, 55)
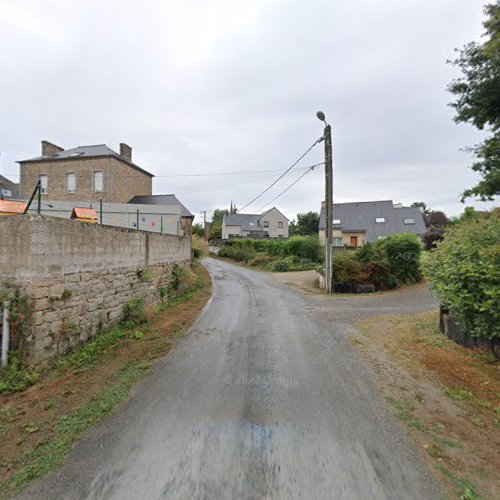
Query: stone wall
point(79, 276)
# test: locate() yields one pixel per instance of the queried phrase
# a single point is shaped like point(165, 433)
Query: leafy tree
point(307, 223)
point(198, 230)
point(478, 101)
point(437, 218)
point(464, 272)
point(293, 228)
point(215, 231)
point(422, 205)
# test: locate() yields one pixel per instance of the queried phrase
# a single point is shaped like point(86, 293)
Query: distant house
point(367, 221)
point(8, 189)
point(90, 173)
point(270, 224)
point(168, 200)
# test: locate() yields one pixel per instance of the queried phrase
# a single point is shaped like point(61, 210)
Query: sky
point(228, 86)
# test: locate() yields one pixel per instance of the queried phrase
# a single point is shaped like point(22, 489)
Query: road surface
point(264, 398)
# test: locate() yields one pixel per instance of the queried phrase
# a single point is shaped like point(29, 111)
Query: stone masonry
point(79, 276)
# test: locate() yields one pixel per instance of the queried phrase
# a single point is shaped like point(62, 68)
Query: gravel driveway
point(264, 398)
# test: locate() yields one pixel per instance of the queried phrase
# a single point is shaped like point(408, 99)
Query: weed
point(448, 442)
point(138, 335)
point(161, 307)
point(466, 488)
point(16, 377)
point(404, 410)
point(66, 294)
point(134, 313)
point(420, 397)
point(458, 394)
point(145, 274)
point(434, 450)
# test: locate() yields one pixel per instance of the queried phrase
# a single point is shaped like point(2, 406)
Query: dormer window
point(336, 221)
point(379, 220)
point(409, 221)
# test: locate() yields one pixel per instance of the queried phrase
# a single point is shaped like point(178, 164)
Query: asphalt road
point(264, 398)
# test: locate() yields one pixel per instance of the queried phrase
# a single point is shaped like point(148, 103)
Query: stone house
point(8, 189)
point(270, 224)
point(367, 221)
point(85, 173)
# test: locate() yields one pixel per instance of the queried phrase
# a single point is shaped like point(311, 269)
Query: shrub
point(402, 252)
point(238, 252)
point(381, 276)
point(261, 259)
point(280, 266)
point(464, 272)
point(134, 312)
point(346, 269)
point(196, 252)
point(306, 247)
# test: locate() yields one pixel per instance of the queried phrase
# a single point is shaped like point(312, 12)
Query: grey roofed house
point(80, 152)
point(162, 199)
point(270, 224)
point(373, 219)
point(8, 189)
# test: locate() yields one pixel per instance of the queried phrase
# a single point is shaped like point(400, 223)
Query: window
point(379, 220)
point(336, 221)
point(409, 221)
point(280, 225)
point(44, 181)
point(266, 223)
point(337, 242)
point(71, 183)
point(98, 182)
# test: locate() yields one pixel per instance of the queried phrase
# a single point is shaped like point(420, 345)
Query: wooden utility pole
point(205, 224)
point(329, 207)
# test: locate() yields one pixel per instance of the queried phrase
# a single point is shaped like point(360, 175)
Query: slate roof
point(13, 187)
point(92, 151)
point(248, 222)
point(161, 199)
point(360, 217)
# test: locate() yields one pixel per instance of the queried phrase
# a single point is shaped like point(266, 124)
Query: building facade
point(270, 224)
point(357, 223)
point(90, 173)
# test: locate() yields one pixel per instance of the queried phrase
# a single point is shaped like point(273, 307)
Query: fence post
point(5, 335)
point(100, 211)
point(137, 218)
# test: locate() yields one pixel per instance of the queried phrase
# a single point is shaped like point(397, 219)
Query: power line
point(310, 169)
point(317, 141)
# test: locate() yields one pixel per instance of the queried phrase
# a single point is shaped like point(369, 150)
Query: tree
point(464, 272)
point(216, 225)
point(436, 218)
point(307, 224)
point(198, 230)
point(478, 102)
point(421, 205)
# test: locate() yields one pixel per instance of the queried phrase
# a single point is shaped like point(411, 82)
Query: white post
point(5, 335)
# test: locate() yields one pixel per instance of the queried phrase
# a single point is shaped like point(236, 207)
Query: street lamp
point(328, 201)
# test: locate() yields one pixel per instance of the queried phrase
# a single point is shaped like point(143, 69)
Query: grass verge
point(41, 425)
point(447, 396)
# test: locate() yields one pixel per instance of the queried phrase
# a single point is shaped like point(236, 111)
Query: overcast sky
point(221, 86)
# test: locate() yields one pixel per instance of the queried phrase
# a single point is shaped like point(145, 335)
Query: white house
point(270, 224)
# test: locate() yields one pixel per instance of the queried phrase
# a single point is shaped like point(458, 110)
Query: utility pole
point(204, 223)
point(328, 201)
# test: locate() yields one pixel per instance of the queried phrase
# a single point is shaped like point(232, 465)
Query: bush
point(305, 247)
point(134, 312)
point(238, 252)
point(346, 269)
point(464, 272)
point(280, 266)
point(381, 276)
point(402, 252)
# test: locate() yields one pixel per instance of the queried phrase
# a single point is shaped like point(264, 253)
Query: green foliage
point(402, 252)
point(216, 224)
point(16, 377)
point(198, 230)
point(196, 252)
point(66, 294)
point(464, 272)
point(240, 250)
point(307, 224)
point(145, 274)
point(134, 313)
point(347, 270)
point(478, 101)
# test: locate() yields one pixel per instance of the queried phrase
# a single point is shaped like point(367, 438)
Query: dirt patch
point(447, 396)
point(304, 281)
point(40, 426)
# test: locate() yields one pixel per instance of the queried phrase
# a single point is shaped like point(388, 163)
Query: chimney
point(126, 151)
point(49, 149)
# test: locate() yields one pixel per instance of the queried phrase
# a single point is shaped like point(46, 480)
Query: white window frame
point(44, 185)
point(68, 190)
point(102, 181)
point(409, 221)
point(336, 221)
point(379, 220)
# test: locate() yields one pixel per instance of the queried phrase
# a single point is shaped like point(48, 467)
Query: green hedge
point(464, 272)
